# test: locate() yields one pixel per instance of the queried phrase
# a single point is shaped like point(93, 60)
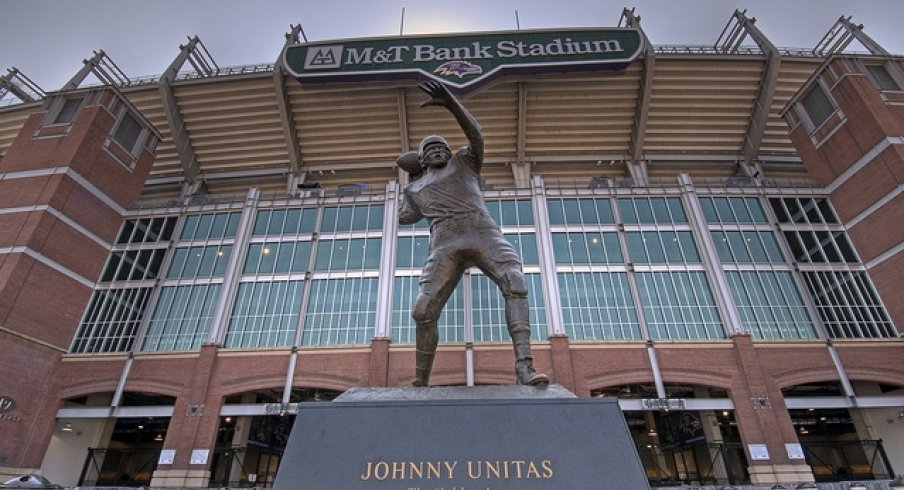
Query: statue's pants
point(456, 244)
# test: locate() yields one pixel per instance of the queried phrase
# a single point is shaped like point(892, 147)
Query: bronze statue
point(445, 189)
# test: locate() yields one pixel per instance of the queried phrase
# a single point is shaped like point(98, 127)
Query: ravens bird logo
point(459, 68)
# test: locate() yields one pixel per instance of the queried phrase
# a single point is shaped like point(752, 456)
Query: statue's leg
point(510, 280)
point(438, 280)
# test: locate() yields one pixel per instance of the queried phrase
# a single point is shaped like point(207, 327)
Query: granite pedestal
point(462, 438)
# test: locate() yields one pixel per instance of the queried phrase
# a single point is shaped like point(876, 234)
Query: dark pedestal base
point(486, 437)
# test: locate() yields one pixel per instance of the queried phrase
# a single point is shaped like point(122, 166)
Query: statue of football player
point(445, 189)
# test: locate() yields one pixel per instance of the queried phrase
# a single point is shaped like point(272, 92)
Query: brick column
point(193, 427)
point(65, 183)
point(763, 420)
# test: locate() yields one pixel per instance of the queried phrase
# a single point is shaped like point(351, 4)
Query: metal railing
point(848, 461)
point(118, 467)
point(244, 467)
point(696, 464)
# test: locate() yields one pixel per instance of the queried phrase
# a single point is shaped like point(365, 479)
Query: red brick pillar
point(64, 184)
point(562, 371)
point(193, 428)
point(763, 421)
point(379, 363)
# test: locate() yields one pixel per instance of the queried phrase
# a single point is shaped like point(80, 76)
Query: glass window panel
point(375, 219)
point(205, 223)
point(672, 247)
point(722, 247)
point(797, 214)
point(655, 253)
point(208, 255)
point(757, 215)
point(324, 254)
point(125, 233)
point(265, 314)
point(660, 210)
point(644, 211)
point(578, 245)
point(604, 211)
point(359, 218)
point(494, 208)
point(755, 246)
point(739, 206)
point(825, 209)
point(180, 256)
point(598, 306)
point(181, 320)
point(302, 256)
point(222, 260)
point(779, 209)
point(111, 320)
point(848, 305)
point(509, 213)
point(572, 211)
point(261, 223)
point(817, 105)
point(525, 212)
point(679, 305)
point(709, 210)
point(328, 223)
point(738, 246)
point(613, 248)
point(277, 222)
point(561, 248)
point(191, 225)
point(556, 210)
point(636, 249)
point(723, 209)
point(218, 227)
point(293, 221)
point(255, 251)
point(588, 211)
point(677, 210)
point(340, 312)
point(355, 250)
point(811, 246)
point(344, 218)
point(284, 257)
point(812, 210)
point(372, 253)
point(628, 213)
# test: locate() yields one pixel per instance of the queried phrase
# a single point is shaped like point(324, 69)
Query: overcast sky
point(47, 40)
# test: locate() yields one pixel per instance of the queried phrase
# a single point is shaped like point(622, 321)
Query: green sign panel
point(463, 61)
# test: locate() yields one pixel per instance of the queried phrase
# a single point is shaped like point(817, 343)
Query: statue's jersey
point(440, 193)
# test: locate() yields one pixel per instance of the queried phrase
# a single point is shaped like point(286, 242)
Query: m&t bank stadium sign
point(463, 61)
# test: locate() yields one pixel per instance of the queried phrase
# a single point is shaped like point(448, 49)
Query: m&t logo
point(322, 57)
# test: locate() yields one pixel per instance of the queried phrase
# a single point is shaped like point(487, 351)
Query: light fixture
point(158, 437)
point(652, 431)
point(140, 426)
point(67, 427)
point(228, 420)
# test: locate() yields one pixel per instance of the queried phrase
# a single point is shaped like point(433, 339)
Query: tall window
point(762, 284)
point(342, 303)
point(268, 302)
point(837, 281)
point(591, 270)
point(117, 307)
point(817, 105)
point(185, 308)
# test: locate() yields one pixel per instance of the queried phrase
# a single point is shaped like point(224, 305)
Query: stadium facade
point(709, 234)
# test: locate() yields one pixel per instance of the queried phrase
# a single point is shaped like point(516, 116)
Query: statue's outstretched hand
point(438, 92)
